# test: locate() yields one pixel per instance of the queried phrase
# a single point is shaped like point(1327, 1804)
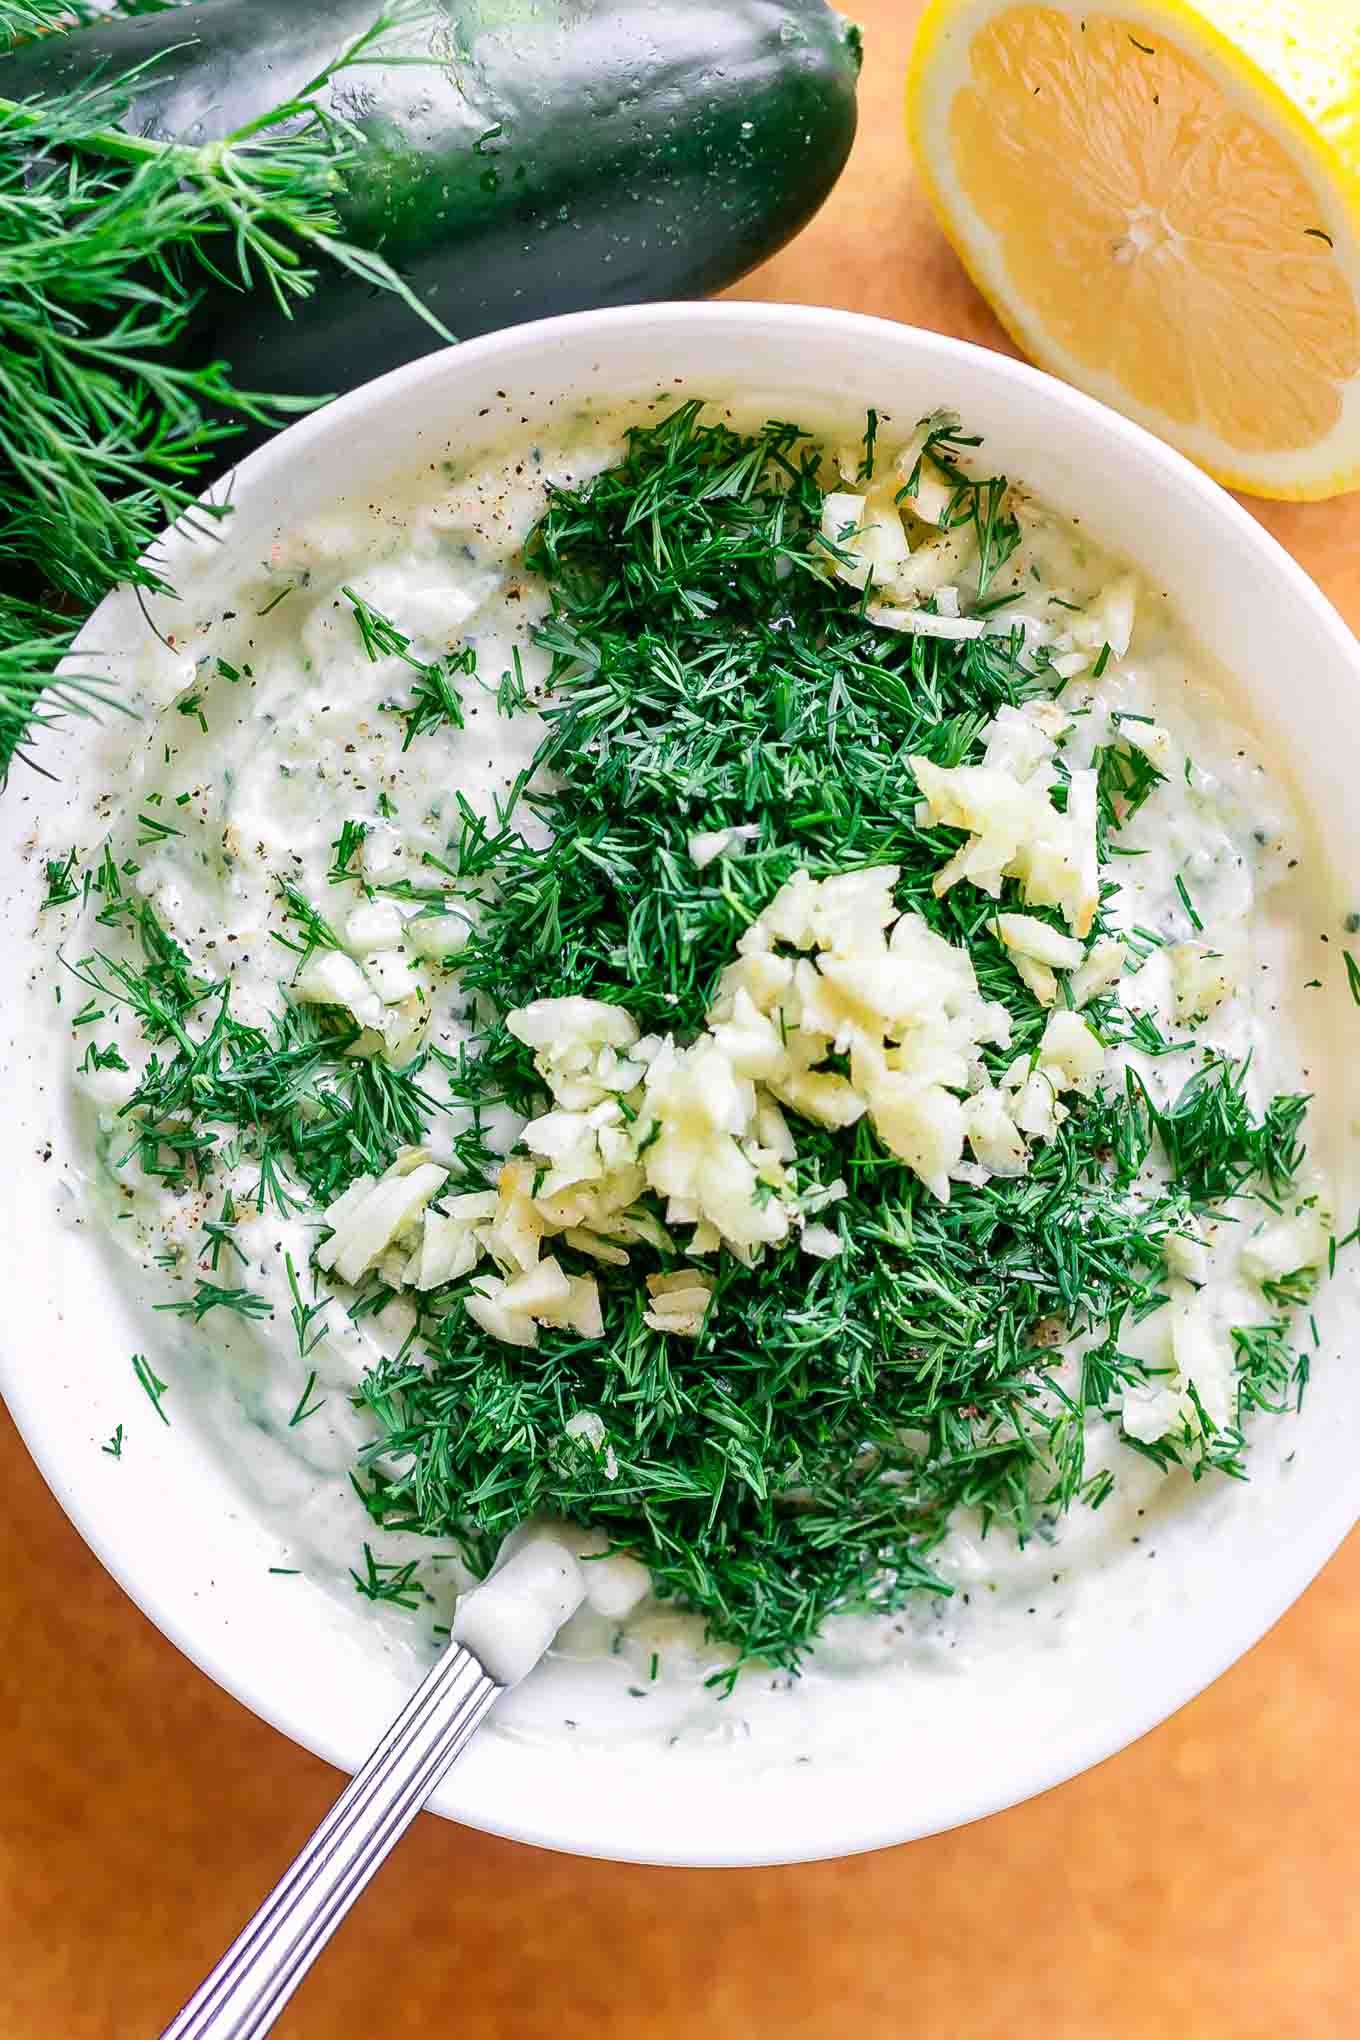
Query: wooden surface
point(1203, 1884)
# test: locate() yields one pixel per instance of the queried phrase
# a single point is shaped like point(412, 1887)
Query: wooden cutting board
point(1201, 1885)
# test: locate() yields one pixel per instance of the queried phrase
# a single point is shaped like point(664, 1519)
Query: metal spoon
point(512, 1618)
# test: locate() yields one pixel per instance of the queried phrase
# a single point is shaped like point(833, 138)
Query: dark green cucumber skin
point(647, 149)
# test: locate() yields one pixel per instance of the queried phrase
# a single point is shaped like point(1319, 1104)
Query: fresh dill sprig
point(304, 1315)
point(343, 852)
point(106, 1058)
point(60, 872)
point(246, 1303)
point(316, 930)
point(983, 504)
point(383, 1582)
point(1271, 1375)
point(1189, 905)
point(435, 698)
point(1214, 1145)
point(865, 471)
point(154, 830)
point(222, 1233)
point(105, 238)
point(512, 692)
point(1125, 778)
point(155, 1388)
point(303, 1407)
point(291, 1096)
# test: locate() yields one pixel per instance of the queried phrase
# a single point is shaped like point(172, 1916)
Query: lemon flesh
point(1163, 205)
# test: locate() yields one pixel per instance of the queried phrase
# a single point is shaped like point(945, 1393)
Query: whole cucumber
point(557, 154)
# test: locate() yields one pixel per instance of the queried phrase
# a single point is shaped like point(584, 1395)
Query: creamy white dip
point(266, 728)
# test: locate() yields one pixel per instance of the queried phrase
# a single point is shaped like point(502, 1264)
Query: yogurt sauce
point(266, 728)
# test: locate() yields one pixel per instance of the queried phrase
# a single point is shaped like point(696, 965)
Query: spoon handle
point(249, 1987)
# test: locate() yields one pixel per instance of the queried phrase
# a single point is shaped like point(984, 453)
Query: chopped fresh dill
point(1214, 1146)
point(382, 1582)
point(303, 1408)
point(1189, 905)
point(304, 1316)
point(870, 442)
point(1125, 778)
point(208, 1296)
point(155, 830)
point(290, 1095)
point(344, 850)
point(97, 1058)
point(1147, 1037)
point(512, 693)
point(380, 635)
point(435, 698)
point(316, 930)
point(155, 1388)
point(221, 1231)
point(983, 504)
point(811, 1450)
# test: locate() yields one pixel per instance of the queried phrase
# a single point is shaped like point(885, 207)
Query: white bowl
point(879, 1760)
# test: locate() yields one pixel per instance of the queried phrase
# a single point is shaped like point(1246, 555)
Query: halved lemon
point(1162, 203)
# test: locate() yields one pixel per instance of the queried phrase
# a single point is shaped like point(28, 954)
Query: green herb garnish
point(809, 1452)
point(1189, 905)
point(60, 873)
point(303, 1315)
point(155, 1389)
point(344, 850)
point(290, 1096)
point(105, 236)
point(221, 1231)
point(979, 503)
point(866, 466)
point(208, 1296)
point(382, 1582)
